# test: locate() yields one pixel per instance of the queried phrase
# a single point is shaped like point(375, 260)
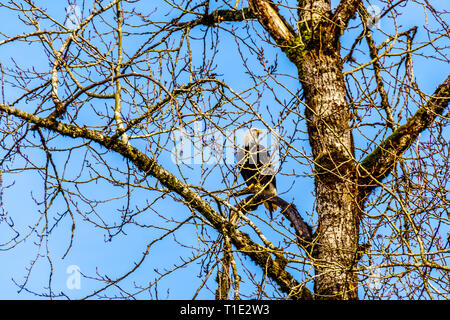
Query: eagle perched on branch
point(256, 167)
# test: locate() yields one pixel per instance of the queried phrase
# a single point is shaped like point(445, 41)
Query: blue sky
point(92, 251)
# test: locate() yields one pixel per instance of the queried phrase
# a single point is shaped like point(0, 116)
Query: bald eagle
point(256, 167)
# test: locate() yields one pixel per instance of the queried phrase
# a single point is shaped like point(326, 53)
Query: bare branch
point(378, 164)
point(345, 10)
point(275, 268)
point(373, 51)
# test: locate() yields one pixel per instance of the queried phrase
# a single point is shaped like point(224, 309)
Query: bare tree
point(151, 83)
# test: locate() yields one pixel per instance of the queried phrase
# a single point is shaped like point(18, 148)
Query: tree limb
point(218, 16)
point(272, 21)
point(379, 164)
point(373, 51)
point(274, 268)
point(289, 210)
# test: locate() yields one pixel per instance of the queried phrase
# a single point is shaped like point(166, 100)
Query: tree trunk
point(330, 137)
point(332, 148)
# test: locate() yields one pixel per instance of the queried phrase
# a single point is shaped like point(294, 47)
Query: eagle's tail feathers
point(271, 208)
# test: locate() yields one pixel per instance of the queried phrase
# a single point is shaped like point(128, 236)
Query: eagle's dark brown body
point(256, 168)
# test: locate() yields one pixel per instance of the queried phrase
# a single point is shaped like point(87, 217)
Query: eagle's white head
point(251, 136)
